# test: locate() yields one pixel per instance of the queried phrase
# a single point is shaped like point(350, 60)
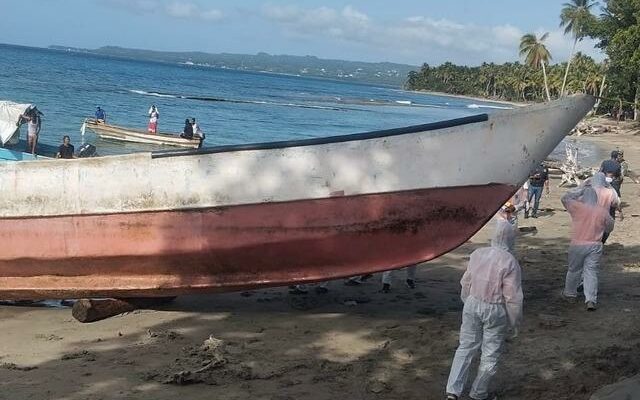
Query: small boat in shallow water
point(239, 217)
point(114, 132)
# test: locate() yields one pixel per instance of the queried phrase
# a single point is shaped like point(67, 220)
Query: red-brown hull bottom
point(234, 248)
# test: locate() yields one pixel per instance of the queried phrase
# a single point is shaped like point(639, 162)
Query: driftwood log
point(572, 173)
point(92, 310)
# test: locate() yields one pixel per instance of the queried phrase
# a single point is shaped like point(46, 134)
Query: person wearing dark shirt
point(101, 116)
point(538, 179)
point(612, 169)
point(66, 149)
point(187, 132)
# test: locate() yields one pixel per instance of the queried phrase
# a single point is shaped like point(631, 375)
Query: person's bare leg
point(30, 144)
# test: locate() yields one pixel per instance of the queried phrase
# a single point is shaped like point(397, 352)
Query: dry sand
point(352, 343)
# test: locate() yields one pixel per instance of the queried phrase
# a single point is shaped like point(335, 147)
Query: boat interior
point(19, 151)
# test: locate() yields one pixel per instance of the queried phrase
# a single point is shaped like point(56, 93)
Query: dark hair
point(66, 137)
point(186, 121)
point(615, 154)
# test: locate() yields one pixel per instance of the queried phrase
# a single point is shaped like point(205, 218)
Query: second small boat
point(114, 132)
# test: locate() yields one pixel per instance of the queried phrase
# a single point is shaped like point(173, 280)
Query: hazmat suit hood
point(504, 236)
point(599, 180)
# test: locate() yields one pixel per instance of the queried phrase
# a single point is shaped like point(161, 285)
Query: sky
point(465, 32)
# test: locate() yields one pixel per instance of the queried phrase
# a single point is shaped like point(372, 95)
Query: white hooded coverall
point(492, 296)
point(590, 220)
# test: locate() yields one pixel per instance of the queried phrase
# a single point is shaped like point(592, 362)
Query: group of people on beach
point(492, 287)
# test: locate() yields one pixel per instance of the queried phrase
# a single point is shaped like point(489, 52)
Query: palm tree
point(536, 55)
point(575, 18)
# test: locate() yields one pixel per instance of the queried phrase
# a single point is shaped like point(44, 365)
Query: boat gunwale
point(472, 119)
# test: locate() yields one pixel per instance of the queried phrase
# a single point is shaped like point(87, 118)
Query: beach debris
point(183, 378)
point(15, 367)
point(572, 172)
point(92, 310)
point(377, 386)
point(84, 355)
point(168, 335)
point(50, 338)
point(528, 229)
point(213, 345)
point(593, 127)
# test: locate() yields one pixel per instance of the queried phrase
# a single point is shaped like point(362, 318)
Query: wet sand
point(351, 343)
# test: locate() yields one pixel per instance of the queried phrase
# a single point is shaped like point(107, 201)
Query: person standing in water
point(154, 115)
point(34, 126)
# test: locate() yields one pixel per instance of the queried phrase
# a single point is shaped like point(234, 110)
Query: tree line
point(617, 79)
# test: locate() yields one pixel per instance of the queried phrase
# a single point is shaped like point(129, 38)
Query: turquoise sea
point(231, 106)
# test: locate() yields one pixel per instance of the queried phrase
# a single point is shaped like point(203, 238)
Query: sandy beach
point(353, 342)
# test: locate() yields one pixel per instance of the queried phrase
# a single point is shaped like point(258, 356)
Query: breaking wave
point(142, 92)
point(337, 100)
point(486, 106)
point(237, 101)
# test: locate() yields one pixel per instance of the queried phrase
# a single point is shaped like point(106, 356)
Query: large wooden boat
point(236, 217)
point(114, 132)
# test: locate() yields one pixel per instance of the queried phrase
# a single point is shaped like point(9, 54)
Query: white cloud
point(173, 9)
point(346, 24)
point(416, 38)
point(560, 45)
point(186, 10)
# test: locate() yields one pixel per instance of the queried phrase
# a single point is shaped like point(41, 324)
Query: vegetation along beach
point(322, 200)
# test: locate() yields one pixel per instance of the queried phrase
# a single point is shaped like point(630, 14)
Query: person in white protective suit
point(492, 296)
point(590, 222)
point(607, 198)
point(507, 219)
point(387, 278)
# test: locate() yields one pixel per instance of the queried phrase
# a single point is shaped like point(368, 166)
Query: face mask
point(608, 179)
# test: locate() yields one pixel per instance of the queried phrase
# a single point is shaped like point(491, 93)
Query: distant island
point(384, 73)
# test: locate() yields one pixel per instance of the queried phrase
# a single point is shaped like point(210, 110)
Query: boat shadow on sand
point(354, 341)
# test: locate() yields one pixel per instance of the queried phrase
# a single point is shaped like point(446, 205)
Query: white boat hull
point(230, 218)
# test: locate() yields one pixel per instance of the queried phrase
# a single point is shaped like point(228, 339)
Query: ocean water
point(232, 107)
